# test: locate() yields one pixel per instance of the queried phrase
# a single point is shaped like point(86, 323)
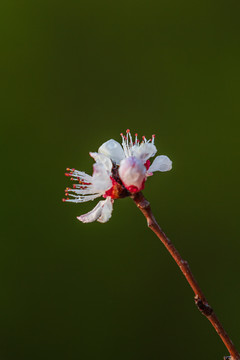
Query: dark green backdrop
point(74, 74)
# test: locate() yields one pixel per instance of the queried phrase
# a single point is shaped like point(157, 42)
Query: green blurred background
point(75, 74)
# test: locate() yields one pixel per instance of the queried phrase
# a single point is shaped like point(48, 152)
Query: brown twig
point(199, 298)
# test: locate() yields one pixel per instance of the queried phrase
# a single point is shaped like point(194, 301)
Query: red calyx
point(147, 164)
point(117, 190)
point(111, 191)
point(132, 189)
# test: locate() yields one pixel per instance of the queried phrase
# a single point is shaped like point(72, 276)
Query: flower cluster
point(118, 171)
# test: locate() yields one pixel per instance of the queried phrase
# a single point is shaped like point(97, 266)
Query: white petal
point(106, 211)
point(113, 150)
point(161, 163)
point(132, 172)
point(104, 160)
point(101, 180)
point(92, 215)
point(102, 212)
point(144, 151)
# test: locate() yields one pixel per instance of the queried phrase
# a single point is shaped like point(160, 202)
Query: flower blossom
point(118, 171)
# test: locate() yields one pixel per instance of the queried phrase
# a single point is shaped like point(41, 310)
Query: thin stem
point(199, 298)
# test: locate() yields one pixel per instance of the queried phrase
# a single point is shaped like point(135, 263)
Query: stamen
point(124, 144)
point(127, 132)
point(83, 198)
point(129, 142)
point(136, 139)
point(130, 137)
point(153, 138)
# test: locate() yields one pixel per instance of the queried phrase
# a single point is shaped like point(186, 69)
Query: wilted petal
point(113, 150)
point(102, 212)
point(161, 163)
point(106, 211)
point(92, 215)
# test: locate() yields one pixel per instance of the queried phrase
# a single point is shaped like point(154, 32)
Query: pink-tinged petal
point(160, 163)
point(113, 150)
point(132, 173)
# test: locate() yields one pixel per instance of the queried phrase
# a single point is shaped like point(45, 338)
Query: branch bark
point(199, 298)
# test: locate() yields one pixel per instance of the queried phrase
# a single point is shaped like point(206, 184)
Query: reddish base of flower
point(134, 189)
point(117, 190)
